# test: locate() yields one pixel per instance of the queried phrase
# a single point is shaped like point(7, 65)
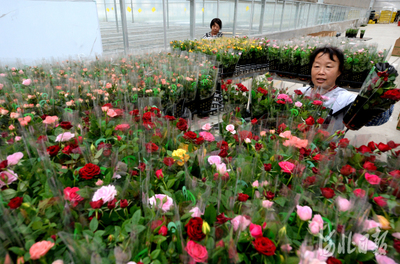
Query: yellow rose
point(181, 153)
point(384, 222)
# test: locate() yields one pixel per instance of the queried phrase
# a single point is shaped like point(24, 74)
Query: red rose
point(360, 193)
point(106, 148)
point(269, 195)
point(328, 193)
point(15, 202)
point(169, 118)
point(303, 127)
point(254, 121)
point(310, 180)
point(364, 149)
point(343, 143)
point(320, 120)
point(395, 174)
point(242, 197)
point(332, 260)
point(142, 166)
point(265, 246)
point(310, 121)
point(97, 204)
point(332, 145)
point(151, 147)
point(369, 166)
point(392, 145)
point(3, 164)
point(109, 105)
point(256, 138)
point(194, 229)
point(315, 170)
point(190, 135)
point(393, 94)
point(372, 145)
point(223, 145)
point(134, 112)
point(383, 147)
point(155, 224)
point(298, 92)
point(222, 219)
point(169, 161)
point(347, 170)
point(111, 204)
point(396, 245)
point(305, 152)
point(53, 150)
point(268, 167)
point(89, 171)
point(223, 153)
point(182, 124)
point(317, 102)
point(163, 231)
point(199, 140)
point(66, 125)
point(41, 139)
point(380, 201)
point(123, 203)
point(258, 146)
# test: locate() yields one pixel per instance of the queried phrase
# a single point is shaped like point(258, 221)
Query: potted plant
point(362, 33)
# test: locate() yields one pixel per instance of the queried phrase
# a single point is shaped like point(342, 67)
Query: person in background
point(216, 26)
point(327, 65)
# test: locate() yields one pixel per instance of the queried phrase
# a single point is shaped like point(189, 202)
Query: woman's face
point(325, 71)
point(215, 29)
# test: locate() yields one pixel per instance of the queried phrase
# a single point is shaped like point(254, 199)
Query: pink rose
point(304, 212)
point(207, 136)
point(122, 127)
point(286, 248)
point(66, 136)
point(14, 158)
point(298, 104)
point(99, 182)
point(343, 204)
point(221, 168)
point(369, 224)
point(165, 201)
point(372, 179)
point(196, 212)
point(267, 204)
point(255, 184)
point(255, 230)
point(7, 176)
point(112, 113)
point(27, 82)
point(1, 86)
point(196, 251)
point(286, 166)
point(106, 193)
point(39, 249)
point(363, 243)
point(240, 222)
point(382, 259)
point(11, 127)
point(231, 128)
point(396, 235)
point(206, 127)
point(17, 138)
point(50, 120)
point(214, 160)
point(316, 224)
point(286, 134)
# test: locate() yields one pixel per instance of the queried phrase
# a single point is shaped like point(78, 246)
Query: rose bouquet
point(377, 95)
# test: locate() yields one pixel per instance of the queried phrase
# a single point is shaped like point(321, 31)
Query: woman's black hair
point(331, 51)
point(216, 21)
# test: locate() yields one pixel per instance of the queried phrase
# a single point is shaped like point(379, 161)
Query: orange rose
point(39, 249)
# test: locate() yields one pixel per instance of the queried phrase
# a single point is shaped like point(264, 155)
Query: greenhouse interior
point(200, 131)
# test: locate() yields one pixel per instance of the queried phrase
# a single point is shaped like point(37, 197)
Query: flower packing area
point(101, 163)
